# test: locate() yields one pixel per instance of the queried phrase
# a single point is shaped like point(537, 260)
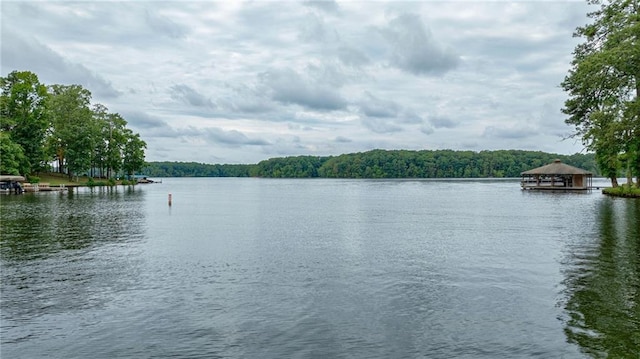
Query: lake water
point(316, 268)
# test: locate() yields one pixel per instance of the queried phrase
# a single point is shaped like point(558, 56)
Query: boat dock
point(42, 187)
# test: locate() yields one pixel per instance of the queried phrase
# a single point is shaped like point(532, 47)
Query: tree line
point(194, 169)
point(380, 164)
point(603, 85)
point(41, 124)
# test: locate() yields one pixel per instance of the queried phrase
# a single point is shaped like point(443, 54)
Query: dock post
point(169, 199)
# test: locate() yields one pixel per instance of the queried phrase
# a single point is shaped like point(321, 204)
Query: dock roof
point(557, 168)
point(11, 178)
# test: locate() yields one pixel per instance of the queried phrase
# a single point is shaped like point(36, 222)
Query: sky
point(241, 82)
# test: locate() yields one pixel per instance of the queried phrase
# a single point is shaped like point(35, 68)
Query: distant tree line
point(381, 164)
point(40, 125)
point(194, 169)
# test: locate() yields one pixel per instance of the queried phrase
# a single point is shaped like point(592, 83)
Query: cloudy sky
point(239, 82)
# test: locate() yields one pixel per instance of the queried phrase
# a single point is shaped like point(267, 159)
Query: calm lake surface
point(315, 268)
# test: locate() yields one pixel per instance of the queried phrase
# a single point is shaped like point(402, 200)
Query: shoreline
point(623, 191)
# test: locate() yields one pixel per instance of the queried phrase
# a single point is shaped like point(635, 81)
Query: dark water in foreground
point(257, 268)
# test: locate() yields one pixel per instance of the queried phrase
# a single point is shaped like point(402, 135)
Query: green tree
point(133, 153)
point(12, 159)
point(23, 115)
point(72, 128)
point(604, 84)
point(380, 164)
point(79, 152)
point(40, 124)
point(99, 158)
point(114, 135)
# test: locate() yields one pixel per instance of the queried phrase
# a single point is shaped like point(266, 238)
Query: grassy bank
point(56, 179)
point(623, 191)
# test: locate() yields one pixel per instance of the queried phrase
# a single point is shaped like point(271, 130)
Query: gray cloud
point(375, 107)
point(328, 6)
point(27, 54)
point(352, 57)
point(244, 98)
point(411, 118)
point(190, 96)
point(314, 29)
point(308, 77)
point(263, 24)
point(165, 26)
point(133, 23)
point(341, 139)
point(509, 132)
point(289, 87)
point(442, 122)
point(426, 129)
point(414, 48)
point(380, 125)
point(232, 138)
point(142, 120)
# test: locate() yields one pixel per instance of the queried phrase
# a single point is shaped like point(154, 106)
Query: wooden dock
point(557, 187)
point(42, 187)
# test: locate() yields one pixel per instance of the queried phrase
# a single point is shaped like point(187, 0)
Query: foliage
point(71, 127)
point(380, 164)
point(114, 134)
point(603, 86)
point(93, 183)
point(59, 123)
point(23, 116)
point(442, 164)
point(289, 167)
point(624, 190)
point(12, 158)
point(133, 152)
point(194, 169)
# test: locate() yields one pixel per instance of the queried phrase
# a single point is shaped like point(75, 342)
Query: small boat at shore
point(145, 180)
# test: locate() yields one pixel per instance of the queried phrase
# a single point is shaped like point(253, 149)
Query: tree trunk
point(637, 154)
point(629, 174)
point(614, 181)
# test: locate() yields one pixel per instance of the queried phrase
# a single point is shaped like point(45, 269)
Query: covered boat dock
point(557, 176)
point(11, 183)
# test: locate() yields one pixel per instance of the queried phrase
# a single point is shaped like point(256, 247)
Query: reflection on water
point(298, 268)
point(603, 284)
point(56, 254)
point(40, 225)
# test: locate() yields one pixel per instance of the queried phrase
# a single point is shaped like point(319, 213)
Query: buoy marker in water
point(169, 198)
